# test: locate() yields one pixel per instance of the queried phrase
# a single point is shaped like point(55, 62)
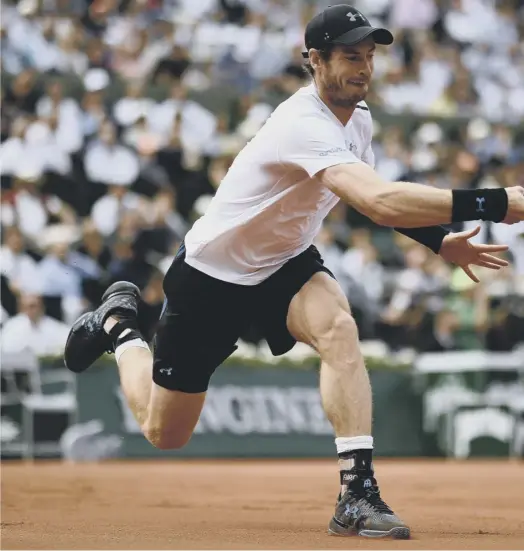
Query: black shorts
point(203, 318)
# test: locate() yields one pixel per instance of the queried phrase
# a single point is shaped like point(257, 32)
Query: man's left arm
point(430, 236)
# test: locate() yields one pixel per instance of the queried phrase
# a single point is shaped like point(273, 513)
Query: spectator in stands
point(94, 111)
point(19, 268)
point(32, 329)
point(27, 207)
point(465, 314)
point(172, 67)
point(23, 94)
point(134, 106)
point(413, 295)
point(62, 114)
point(108, 163)
point(58, 276)
point(108, 210)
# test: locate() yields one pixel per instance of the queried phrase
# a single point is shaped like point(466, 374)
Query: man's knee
point(164, 439)
point(343, 327)
point(340, 334)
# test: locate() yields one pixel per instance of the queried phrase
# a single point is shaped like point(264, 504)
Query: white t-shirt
point(270, 205)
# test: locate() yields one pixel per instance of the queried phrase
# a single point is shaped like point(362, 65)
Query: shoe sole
point(397, 532)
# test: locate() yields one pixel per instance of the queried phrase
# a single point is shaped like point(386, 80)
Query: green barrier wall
point(265, 412)
point(463, 404)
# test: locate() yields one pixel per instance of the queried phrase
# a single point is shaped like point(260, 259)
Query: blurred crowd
point(120, 118)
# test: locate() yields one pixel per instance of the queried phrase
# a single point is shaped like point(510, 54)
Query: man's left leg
point(319, 315)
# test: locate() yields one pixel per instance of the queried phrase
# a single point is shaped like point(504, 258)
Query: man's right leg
point(167, 417)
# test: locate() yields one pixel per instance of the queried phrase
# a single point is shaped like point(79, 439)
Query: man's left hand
point(456, 248)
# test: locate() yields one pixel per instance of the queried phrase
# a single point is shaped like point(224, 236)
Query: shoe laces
point(372, 496)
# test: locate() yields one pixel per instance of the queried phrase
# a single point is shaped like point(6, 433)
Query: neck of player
point(343, 113)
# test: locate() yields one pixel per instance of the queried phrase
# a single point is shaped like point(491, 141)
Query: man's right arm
point(409, 205)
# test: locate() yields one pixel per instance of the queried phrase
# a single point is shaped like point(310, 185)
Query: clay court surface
point(253, 505)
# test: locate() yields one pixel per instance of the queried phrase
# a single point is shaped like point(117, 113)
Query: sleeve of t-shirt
point(314, 143)
point(368, 156)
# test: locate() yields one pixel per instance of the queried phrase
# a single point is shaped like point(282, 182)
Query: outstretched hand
point(456, 248)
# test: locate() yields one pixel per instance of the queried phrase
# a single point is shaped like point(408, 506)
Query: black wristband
point(479, 204)
point(431, 236)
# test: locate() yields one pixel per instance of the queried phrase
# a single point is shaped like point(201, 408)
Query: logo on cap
point(353, 16)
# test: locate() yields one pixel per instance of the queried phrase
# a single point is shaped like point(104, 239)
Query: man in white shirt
point(32, 329)
point(250, 259)
point(16, 265)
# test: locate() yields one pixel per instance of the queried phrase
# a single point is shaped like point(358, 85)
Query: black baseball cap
point(342, 24)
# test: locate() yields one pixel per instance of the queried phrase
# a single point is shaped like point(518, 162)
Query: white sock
point(135, 343)
point(349, 444)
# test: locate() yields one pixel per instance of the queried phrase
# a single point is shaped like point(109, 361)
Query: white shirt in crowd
point(57, 278)
point(270, 205)
point(39, 151)
point(69, 132)
point(47, 337)
point(30, 212)
point(198, 124)
point(112, 165)
point(413, 14)
point(20, 269)
point(107, 211)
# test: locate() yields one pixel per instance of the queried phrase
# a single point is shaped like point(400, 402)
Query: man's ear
point(314, 58)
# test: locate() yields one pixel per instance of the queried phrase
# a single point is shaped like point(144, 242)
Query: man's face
point(55, 91)
point(23, 83)
point(60, 250)
point(32, 307)
point(346, 76)
point(14, 240)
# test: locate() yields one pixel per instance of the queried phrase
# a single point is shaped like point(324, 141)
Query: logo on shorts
point(480, 203)
point(367, 483)
point(166, 370)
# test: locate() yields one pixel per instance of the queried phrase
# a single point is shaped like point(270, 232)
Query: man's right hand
point(515, 212)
